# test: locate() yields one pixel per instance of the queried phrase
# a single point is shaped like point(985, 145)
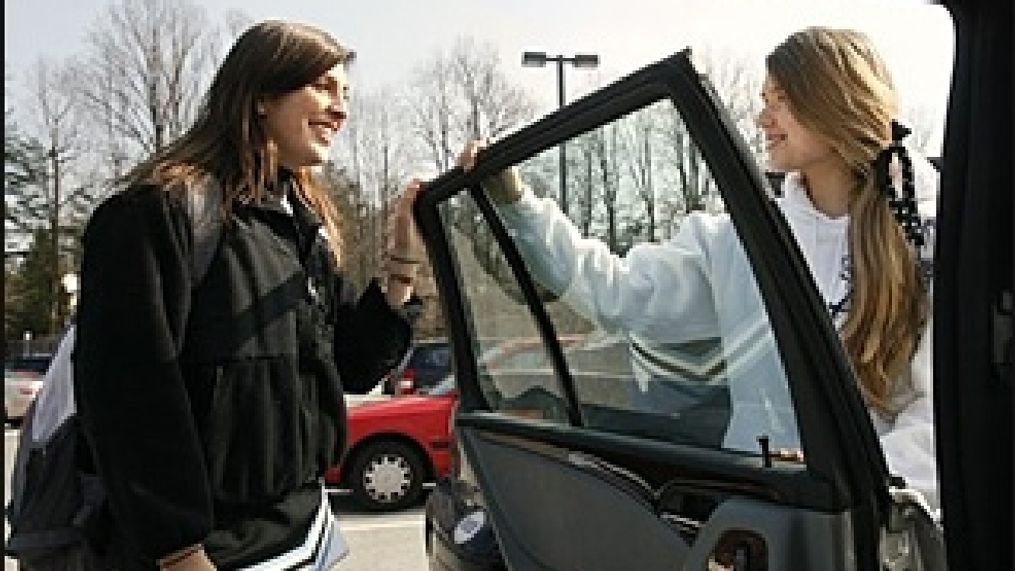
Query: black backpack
point(56, 509)
point(58, 514)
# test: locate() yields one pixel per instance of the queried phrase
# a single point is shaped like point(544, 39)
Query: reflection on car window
point(648, 288)
point(32, 364)
point(531, 359)
point(445, 387)
point(431, 357)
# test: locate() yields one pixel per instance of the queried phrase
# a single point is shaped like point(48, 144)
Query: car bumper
point(444, 513)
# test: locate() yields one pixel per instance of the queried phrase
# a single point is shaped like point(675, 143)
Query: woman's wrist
point(399, 289)
point(403, 258)
point(505, 187)
point(401, 263)
point(190, 557)
point(401, 270)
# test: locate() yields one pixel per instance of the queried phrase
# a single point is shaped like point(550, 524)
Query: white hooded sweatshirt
point(700, 285)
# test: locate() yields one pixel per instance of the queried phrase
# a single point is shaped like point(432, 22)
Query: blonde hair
point(838, 86)
point(228, 140)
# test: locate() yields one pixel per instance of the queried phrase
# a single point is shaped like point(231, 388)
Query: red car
point(395, 445)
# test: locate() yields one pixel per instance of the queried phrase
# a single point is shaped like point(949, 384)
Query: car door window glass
point(515, 374)
point(431, 357)
point(645, 279)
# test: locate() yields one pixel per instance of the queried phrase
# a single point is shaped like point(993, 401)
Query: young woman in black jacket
point(216, 331)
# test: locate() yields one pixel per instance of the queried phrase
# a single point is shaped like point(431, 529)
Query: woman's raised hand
point(405, 248)
point(504, 187)
point(406, 243)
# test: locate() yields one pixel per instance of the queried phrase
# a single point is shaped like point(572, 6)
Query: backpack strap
point(55, 402)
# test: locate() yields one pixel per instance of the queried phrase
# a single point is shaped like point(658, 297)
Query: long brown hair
point(228, 140)
point(838, 86)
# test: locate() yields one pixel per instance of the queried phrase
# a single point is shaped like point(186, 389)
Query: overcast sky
point(392, 36)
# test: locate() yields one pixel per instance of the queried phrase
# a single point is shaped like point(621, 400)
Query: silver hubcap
point(387, 478)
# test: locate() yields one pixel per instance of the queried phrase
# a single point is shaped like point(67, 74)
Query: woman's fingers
point(411, 190)
point(790, 454)
point(467, 159)
point(504, 187)
point(405, 237)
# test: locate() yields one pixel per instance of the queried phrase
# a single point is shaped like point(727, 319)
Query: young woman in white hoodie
point(829, 123)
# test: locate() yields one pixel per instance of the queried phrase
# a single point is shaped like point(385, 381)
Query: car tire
point(386, 475)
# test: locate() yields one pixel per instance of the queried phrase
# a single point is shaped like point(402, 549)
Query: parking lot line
point(373, 526)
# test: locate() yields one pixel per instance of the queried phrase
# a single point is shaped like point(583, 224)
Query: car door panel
point(671, 466)
point(608, 459)
point(616, 519)
point(621, 518)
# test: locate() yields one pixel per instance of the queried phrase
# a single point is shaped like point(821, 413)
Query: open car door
point(974, 306)
point(649, 439)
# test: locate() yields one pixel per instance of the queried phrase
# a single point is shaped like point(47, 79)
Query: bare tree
point(606, 150)
point(679, 143)
point(355, 215)
point(583, 177)
point(432, 110)
point(461, 96)
point(53, 202)
point(457, 96)
point(493, 105)
point(149, 63)
point(236, 22)
point(738, 84)
point(24, 170)
point(638, 143)
point(737, 87)
point(375, 152)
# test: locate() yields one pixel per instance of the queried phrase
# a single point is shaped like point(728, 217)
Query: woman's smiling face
point(790, 145)
point(303, 123)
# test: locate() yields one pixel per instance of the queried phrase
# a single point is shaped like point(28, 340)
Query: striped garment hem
point(322, 549)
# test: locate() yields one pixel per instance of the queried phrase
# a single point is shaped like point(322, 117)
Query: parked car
point(398, 445)
point(23, 377)
point(395, 446)
point(425, 364)
point(551, 488)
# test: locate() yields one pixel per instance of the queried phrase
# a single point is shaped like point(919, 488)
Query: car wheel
point(386, 475)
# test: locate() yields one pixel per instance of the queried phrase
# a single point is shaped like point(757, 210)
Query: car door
point(974, 306)
point(662, 455)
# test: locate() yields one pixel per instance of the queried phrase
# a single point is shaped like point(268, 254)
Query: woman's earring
point(260, 110)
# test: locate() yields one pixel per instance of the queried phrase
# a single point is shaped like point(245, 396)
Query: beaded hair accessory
point(835, 309)
point(903, 204)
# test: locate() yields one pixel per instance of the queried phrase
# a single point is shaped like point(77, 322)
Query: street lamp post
point(539, 59)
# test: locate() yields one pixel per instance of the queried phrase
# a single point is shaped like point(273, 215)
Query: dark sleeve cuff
point(377, 339)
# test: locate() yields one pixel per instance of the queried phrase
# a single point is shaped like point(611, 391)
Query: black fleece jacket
point(212, 405)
